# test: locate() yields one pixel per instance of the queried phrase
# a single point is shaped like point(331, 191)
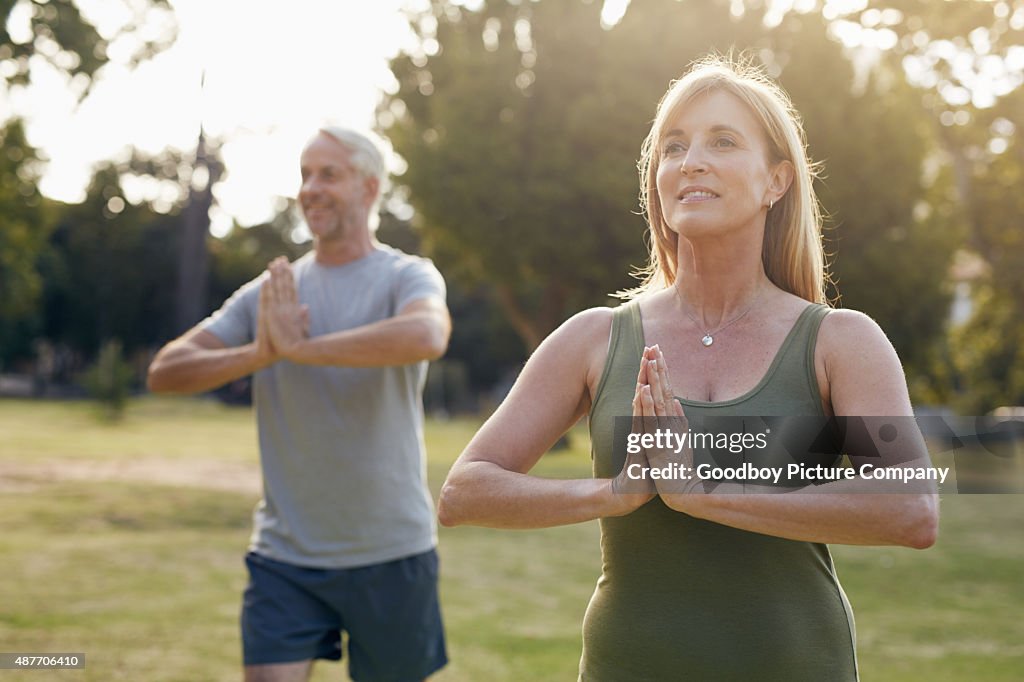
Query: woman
point(730, 321)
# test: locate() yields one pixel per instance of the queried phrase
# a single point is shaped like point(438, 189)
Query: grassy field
point(125, 542)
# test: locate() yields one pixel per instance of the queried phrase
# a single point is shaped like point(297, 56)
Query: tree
point(113, 265)
point(22, 225)
point(494, 206)
point(243, 253)
point(989, 349)
point(521, 132)
point(890, 257)
point(193, 260)
point(959, 55)
point(110, 271)
point(58, 32)
point(24, 228)
point(522, 122)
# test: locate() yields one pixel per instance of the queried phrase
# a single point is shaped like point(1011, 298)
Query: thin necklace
point(709, 336)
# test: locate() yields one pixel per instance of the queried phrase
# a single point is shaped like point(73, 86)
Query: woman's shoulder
point(865, 375)
point(585, 326)
point(851, 343)
point(848, 329)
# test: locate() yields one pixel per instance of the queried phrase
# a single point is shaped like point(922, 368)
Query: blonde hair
point(792, 252)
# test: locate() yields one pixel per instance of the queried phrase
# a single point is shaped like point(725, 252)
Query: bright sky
point(275, 71)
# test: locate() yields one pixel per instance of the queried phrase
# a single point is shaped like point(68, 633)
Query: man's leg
point(279, 672)
point(393, 618)
point(284, 625)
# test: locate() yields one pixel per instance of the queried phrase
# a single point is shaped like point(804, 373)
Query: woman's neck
point(716, 280)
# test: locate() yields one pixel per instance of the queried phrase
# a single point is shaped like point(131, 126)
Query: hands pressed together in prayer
point(656, 411)
point(283, 322)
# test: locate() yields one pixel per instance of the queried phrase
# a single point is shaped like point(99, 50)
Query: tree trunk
point(193, 264)
point(533, 329)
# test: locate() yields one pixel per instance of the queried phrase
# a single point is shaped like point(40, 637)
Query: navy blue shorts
point(390, 612)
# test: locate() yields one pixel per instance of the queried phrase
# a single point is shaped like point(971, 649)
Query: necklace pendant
point(707, 340)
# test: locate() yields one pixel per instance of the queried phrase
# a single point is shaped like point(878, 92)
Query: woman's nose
point(693, 161)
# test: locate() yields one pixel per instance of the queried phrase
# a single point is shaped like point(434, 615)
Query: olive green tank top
point(681, 598)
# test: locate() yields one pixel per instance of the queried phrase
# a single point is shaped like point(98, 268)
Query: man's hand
point(285, 320)
point(266, 354)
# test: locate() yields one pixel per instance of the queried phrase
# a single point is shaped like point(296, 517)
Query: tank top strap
point(796, 357)
point(625, 344)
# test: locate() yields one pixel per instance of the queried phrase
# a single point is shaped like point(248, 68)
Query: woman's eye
point(725, 142)
point(674, 148)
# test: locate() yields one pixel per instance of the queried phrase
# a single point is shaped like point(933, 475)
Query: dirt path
point(239, 477)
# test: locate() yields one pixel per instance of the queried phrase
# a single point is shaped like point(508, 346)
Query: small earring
point(771, 204)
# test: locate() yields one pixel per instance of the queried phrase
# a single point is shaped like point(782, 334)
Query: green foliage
point(503, 173)
point(109, 381)
point(523, 129)
point(483, 349)
point(891, 247)
point(30, 240)
point(244, 252)
point(111, 270)
point(988, 354)
point(23, 224)
point(959, 49)
point(977, 30)
point(60, 34)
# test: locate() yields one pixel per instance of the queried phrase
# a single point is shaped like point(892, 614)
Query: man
point(338, 343)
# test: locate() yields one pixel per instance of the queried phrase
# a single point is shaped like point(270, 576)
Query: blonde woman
point(731, 320)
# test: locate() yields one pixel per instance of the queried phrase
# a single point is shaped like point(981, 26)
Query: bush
point(109, 380)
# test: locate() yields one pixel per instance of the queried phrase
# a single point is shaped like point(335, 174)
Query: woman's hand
point(659, 418)
point(633, 487)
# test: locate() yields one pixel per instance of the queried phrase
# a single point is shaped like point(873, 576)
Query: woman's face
point(714, 176)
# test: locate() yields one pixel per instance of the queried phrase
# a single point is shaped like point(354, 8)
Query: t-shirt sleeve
point(419, 279)
point(235, 322)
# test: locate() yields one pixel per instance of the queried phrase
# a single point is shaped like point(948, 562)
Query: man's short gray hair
point(365, 152)
point(366, 156)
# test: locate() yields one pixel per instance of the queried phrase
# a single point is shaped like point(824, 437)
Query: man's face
point(335, 197)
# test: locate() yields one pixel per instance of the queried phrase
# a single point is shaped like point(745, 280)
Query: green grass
point(145, 576)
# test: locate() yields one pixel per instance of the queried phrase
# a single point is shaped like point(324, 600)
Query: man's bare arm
point(419, 331)
point(198, 361)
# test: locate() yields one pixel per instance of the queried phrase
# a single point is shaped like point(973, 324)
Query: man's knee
point(279, 672)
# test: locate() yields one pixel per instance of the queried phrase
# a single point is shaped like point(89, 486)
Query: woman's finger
point(647, 401)
point(666, 385)
point(641, 377)
point(657, 393)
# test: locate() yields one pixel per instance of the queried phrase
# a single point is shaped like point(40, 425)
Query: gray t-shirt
point(344, 466)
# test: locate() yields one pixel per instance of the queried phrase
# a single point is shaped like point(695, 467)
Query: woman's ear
point(781, 179)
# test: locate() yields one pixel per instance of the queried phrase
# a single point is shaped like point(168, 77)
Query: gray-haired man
point(338, 343)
